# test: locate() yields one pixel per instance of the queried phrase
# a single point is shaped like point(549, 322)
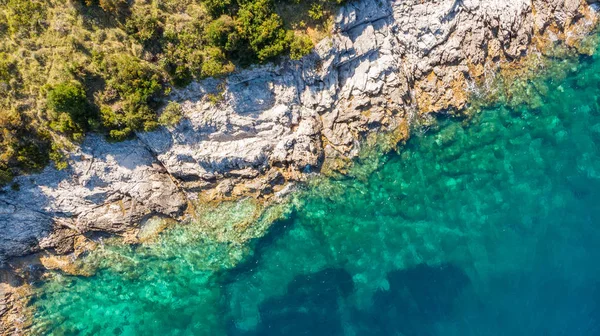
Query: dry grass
point(295, 18)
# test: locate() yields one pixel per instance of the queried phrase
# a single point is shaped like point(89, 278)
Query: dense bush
point(3, 24)
point(8, 80)
point(69, 97)
point(215, 63)
point(316, 11)
point(70, 112)
point(182, 45)
point(217, 7)
point(7, 67)
point(136, 81)
point(222, 33)
point(5, 175)
point(22, 147)
point(145, 27)
point(171, 114)
point(137, 85)
point(24, 17)
point(301, 46)
point(262, 29)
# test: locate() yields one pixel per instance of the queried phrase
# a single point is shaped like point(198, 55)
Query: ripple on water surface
point(490, 228)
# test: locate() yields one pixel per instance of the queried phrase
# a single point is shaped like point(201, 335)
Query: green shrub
point(262, 28)
point(221, 33)
point(68, 97)
point(122, 122)
point(215, 63)
point(25, 17)
point(7, 68)
point(5, 176)
point(180, 74)
point(171, 114)
point(182, 45)
point(182, 64)
point(145, 27)
point(3, 24)
point(70, 112)
point(301, 46)
point(316, 11)
point(136, 81)
point(120, 135)
point(217, 7)
point(65, 124)
point(57, 156)
point(32, 155)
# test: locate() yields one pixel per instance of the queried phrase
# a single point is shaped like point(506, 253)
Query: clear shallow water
point(487, 227)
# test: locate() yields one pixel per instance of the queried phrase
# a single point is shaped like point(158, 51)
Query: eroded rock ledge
point(387, 62)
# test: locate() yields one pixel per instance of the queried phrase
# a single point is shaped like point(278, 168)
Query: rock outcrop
point(386, 63)
point(109, 187)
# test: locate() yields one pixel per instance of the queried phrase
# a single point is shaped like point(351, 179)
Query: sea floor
point(480, 226)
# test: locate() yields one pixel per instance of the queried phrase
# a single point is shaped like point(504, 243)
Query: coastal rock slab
point(108, 187)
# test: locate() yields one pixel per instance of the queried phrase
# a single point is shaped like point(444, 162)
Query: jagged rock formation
point(386, 62)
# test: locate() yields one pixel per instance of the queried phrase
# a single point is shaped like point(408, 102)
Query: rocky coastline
point(255, 133)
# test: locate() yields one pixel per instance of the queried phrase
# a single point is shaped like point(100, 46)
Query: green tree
point(262, 28)
point(222, 33)
point(70, 112)
point(138, 85)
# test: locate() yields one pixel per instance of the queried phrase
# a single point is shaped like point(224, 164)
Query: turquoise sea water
point(483, 227)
